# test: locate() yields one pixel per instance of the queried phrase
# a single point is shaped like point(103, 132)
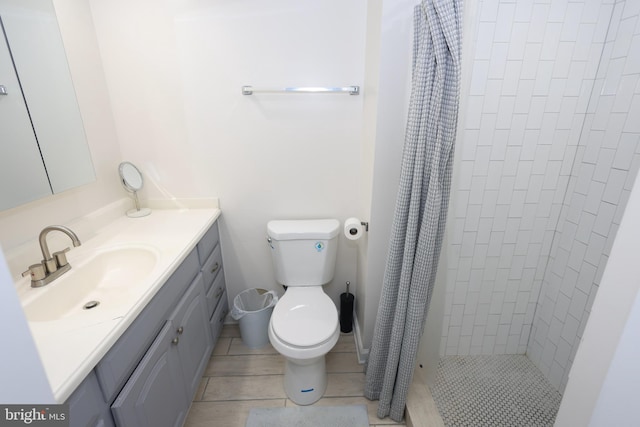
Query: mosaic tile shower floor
point(494, 391)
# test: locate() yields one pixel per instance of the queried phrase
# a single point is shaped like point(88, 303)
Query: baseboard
point(363, 353)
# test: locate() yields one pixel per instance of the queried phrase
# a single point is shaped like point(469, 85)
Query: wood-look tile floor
point(238, 379)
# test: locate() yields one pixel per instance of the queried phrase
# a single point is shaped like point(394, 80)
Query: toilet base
point(305, 381)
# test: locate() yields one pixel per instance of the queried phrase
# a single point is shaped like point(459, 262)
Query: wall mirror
point(132, 181)
point(43, 147)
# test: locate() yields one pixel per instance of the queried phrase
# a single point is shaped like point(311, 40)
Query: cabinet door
point(154, 396)
point(87, 407)
point(192, 326)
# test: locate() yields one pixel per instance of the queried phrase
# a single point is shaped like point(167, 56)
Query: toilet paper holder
point(365, 224)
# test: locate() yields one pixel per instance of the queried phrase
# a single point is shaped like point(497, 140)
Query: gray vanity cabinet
point(150, 375)
point(163, 384)
point(87, 406)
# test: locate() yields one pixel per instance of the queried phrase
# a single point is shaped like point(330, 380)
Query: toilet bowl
point(303, 328)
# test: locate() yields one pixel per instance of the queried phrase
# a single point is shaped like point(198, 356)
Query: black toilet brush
point(346, 311)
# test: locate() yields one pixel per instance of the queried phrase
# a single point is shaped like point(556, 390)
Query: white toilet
point(304, 324)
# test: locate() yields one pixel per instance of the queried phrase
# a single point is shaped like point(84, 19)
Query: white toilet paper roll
point(353, 228)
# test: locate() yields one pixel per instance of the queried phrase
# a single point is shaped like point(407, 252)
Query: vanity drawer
point(116, 366)
point(217, 320)
point(212, 267)
point(215, 292)
point(207, 243)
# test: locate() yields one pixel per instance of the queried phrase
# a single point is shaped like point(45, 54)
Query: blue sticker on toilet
point(319, 246)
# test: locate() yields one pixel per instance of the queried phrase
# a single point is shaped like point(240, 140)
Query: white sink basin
point(110, 277)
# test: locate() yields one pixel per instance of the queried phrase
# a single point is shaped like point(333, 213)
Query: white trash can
point(252, 309)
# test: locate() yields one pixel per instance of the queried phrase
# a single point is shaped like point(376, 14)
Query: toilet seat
point(304, 317)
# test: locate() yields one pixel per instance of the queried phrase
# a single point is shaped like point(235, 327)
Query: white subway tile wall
point(549, 153)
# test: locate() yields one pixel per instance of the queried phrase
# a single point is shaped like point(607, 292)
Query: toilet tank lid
point(303, 229)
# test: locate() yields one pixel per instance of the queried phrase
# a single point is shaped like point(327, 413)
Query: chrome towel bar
point(351, 90)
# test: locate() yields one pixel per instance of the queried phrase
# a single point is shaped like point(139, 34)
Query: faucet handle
point(61, 258)
point(36, 271)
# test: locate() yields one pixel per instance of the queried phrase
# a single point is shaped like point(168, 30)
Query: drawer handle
point(215, 267)
point(180, 330)
point(175, 341)
point(220, 292)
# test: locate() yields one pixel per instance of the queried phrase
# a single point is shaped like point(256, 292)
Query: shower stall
point(548, 149)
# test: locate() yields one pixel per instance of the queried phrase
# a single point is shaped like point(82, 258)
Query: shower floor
point(494, 391)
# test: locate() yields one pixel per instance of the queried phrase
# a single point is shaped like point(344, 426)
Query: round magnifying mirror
point(130, 176)
point(132, 181)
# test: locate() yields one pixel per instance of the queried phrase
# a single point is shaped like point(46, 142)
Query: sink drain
point(91, 304)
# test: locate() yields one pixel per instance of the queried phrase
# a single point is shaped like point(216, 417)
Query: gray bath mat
point(309, 416)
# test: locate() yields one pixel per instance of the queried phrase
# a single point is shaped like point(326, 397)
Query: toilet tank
point(303, 251)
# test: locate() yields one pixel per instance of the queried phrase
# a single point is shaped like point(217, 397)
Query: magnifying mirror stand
point(137, 212)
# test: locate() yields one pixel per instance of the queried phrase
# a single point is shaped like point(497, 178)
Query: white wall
point(616, 403)
point(22, 372)
point(392, 91)
point(370, 112)
point(602, 375)
point(265, 156)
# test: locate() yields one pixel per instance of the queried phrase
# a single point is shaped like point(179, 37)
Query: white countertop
point(70, 349)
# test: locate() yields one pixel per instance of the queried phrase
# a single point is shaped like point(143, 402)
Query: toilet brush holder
point(346, 311)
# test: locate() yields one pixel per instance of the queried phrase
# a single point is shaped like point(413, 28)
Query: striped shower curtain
point(421, 205)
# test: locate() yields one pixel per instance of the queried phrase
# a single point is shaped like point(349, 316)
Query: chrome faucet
point(51, 267)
